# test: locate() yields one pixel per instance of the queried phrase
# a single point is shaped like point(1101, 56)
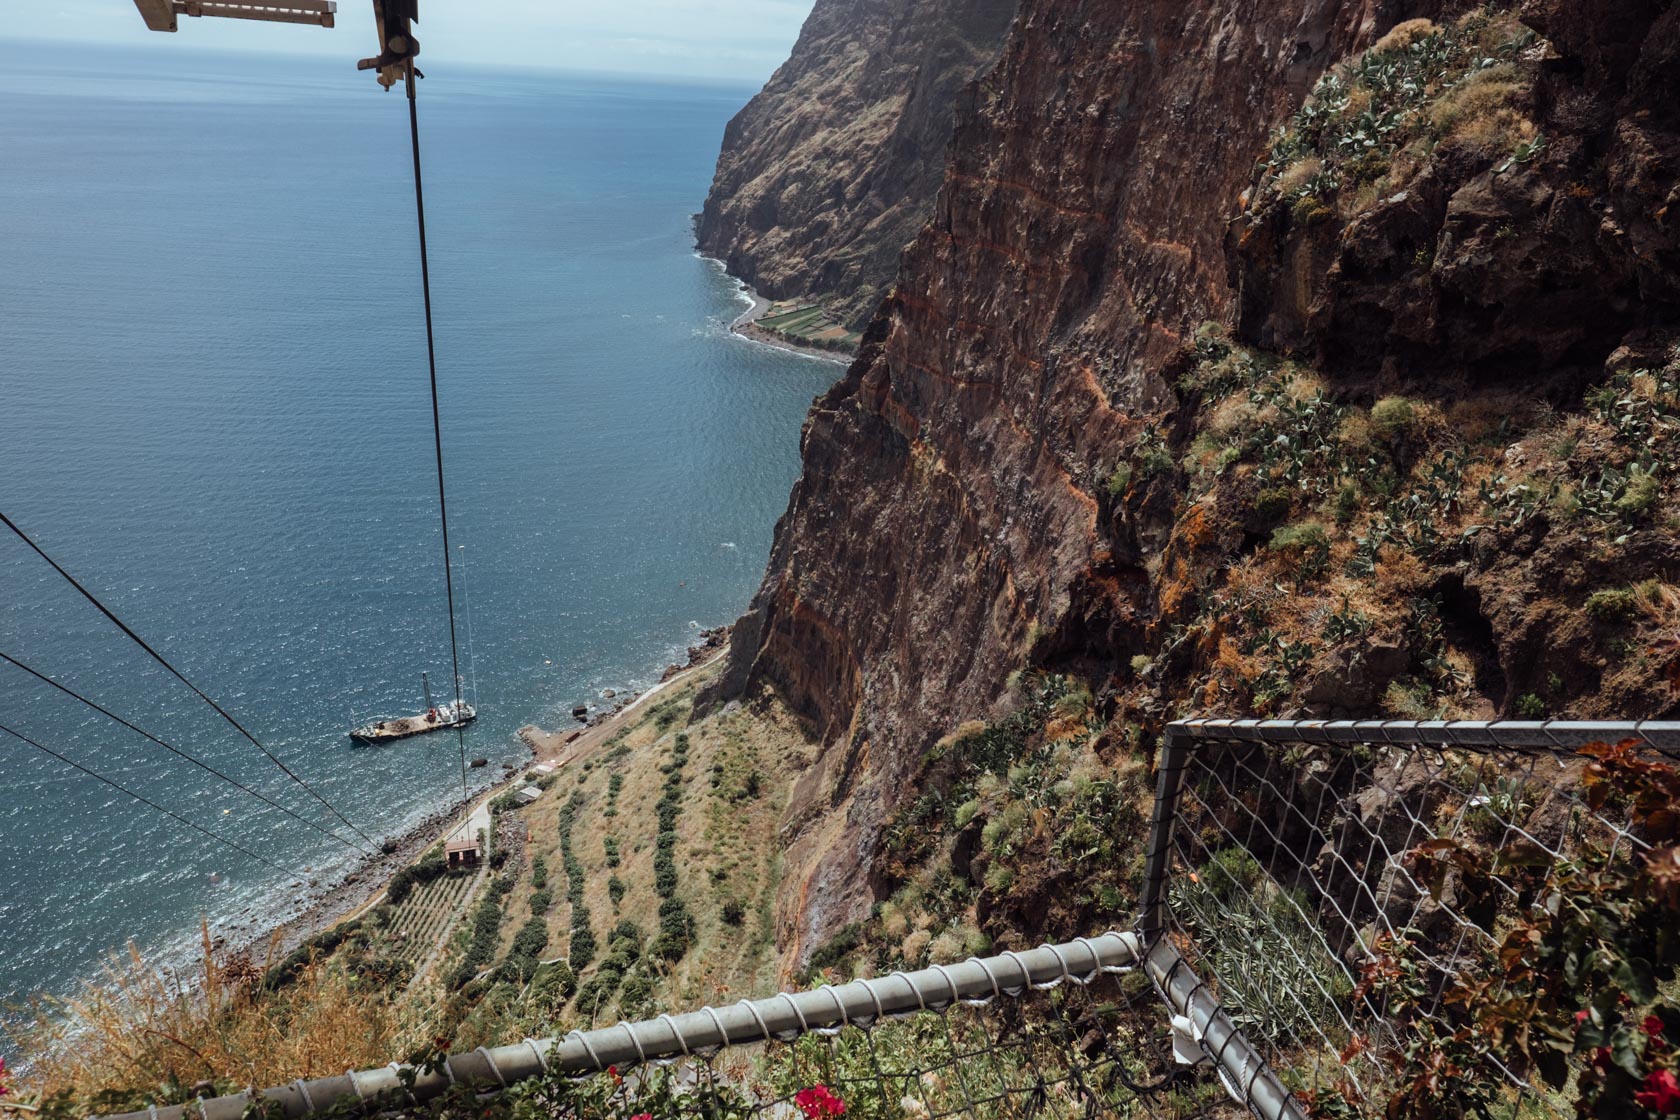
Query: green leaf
point(1636, 979)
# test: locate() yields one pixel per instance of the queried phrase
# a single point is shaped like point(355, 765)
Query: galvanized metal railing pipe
point(782, 1017)
point(1247, 1077)
point(1506, 734)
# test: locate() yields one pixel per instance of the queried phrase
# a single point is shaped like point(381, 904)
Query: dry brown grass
point(1297, 174)
point(1404, 34)
point(1481, 112)
point(139, 1027)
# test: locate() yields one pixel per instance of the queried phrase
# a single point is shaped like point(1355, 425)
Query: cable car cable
point(161, 660)
point(108, 714)
point(147, 801)
point(437, 424)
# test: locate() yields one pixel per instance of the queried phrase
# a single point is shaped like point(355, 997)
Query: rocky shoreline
point(361, 889)
point(355, 893)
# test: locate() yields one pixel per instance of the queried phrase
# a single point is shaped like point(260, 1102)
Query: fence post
point(1176, 745)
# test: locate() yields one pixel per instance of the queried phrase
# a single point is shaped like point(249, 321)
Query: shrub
point(520, 963)
point(1394, 419)
point(615, 890)
point(581, 950)
point(1307, 544)
point(676, 930)
point(539, 873)
point(734, 912)
point(486, 928)
point(553, 985)
point(609, 844)
point(837, 948)
point(1613, 605)
point(541, 901)
point(1640, 496)
point(1272, 505)
point(1309, 210)
point(1295, 178)
point(1530, 706)
point(1347, 504)
point(1404, 34)
point(1119, 479)
point(1480, 114)
point(1300, 537)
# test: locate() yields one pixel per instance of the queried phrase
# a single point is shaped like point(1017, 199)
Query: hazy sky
point(736, 40)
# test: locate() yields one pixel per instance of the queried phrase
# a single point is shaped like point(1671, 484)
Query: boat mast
point(427, 685)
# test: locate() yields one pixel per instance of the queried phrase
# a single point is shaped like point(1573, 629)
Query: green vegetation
point(808, 325)
point(430, 867)
point(1262, 941)
point(624, 952)
point(1370, 121)
point(520, 964)
point(1613, 605)
point(484, 930)
point(1578, 992)
point(676, 924)
point(581, 948)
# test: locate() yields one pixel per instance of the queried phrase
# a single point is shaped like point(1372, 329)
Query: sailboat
point(436, 717)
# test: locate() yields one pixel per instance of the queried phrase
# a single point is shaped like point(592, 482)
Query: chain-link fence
point(1352, 892)
point(1328, 911)
point(1071, 1030)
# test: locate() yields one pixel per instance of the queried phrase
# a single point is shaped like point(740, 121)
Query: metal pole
point(1176, 745)
point(1509, 734)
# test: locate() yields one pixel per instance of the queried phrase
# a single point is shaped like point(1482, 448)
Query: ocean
point(214, 411)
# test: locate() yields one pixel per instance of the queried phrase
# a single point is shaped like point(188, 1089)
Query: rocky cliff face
point(829, 172)
point(1037, 461)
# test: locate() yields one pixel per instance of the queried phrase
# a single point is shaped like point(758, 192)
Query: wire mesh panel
point(1367, 912)
point(1069, 1030)
point(1081, 1050)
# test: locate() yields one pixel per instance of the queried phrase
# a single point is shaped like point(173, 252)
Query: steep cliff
point(1038, 461)
point(828, 173)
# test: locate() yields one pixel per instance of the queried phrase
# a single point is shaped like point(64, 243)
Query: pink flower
point(642, 1116)
point(1661, 1093)
point(1581, 1016)
point(817, 1103)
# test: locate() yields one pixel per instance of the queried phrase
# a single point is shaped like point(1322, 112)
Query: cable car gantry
point(393, 19)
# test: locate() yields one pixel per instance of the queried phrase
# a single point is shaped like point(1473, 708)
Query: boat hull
point(390, 730)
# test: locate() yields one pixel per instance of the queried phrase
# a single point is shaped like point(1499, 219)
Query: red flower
point(617, 1078)
point(2, 1077)
point(817, 1103)
point(1581, 1016)
point(1652, 1026)
point(1661, 1093)
point(642, 1116)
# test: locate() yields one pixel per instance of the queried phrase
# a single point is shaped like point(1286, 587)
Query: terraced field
point(808, 325)
point(426, 913)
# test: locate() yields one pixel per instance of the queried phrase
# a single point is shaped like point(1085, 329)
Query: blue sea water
point(214, 410)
